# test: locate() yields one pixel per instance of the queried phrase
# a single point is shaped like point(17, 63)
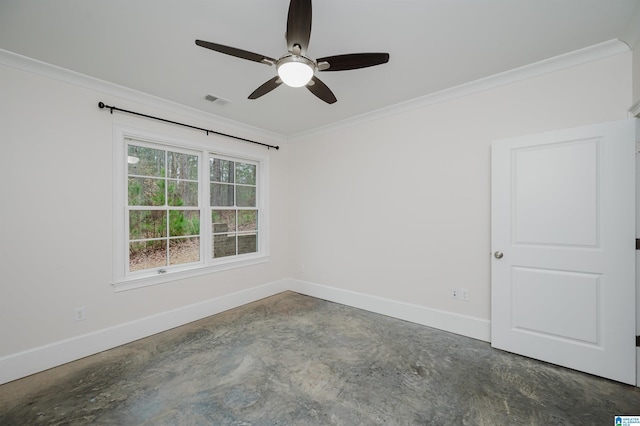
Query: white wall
point(56, 215)
point(636, 72)
point(632, 38)
point(399, 208)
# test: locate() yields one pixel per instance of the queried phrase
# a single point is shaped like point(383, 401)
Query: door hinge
point(637, 243)
point(638, 341)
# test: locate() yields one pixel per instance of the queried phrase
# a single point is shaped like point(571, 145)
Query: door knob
point(498, 254)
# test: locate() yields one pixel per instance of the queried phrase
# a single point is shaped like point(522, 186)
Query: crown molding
point(556, 63)
point(55, 72)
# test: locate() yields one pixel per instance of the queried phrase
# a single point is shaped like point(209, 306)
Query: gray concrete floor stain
point(296, 360)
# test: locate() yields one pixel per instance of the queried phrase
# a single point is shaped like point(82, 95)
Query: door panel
point(555, 196)
point(569, 301)
point(563, 215)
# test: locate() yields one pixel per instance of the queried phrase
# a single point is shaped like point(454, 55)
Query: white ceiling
point(433, 45)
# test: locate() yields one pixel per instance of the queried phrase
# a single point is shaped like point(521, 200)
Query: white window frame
point(124, 280)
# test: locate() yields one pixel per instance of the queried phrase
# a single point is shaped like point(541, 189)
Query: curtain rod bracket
point(102, 105)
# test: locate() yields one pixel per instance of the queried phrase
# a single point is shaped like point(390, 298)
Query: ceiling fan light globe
point(294, 73)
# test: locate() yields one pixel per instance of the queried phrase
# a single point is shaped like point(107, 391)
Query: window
point(234, 215)
point(182, 210)
point(163, 207)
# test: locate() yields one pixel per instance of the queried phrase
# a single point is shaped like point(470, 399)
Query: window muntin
point(163, 207)
point(234, 212)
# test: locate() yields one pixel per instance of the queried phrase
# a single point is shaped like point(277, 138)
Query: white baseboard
point(464, 325)
point(22, 364)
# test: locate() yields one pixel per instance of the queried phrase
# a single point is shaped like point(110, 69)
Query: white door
point(563, 248)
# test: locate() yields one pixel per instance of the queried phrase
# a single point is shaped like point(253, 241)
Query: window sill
point(130, 283)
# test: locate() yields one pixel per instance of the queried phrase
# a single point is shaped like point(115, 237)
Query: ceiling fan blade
point(238, 53)
point(299, 25)
point(321, 90)
point(266, 88)
point(352, 61)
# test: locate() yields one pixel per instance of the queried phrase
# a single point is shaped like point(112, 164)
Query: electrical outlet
point(455, 293)
point(79, 314)
point(464, 293)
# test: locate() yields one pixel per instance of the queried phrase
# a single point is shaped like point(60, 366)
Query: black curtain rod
point(113, 108)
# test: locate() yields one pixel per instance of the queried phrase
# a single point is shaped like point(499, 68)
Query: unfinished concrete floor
point(296, 360)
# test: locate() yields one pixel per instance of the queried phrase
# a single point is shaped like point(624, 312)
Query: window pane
point(221, 195)
point(147, 254)
point(246, 196)
point(247, 220)
point(145, 161)
point(145, 224)
point(182, 193)
point(245, 173)
point(182, 166)
point(221, 170)
point(247, 243)
point(146, 192)
point(184, 222)
point(223, 221)
point(184, 250)
point(224, 245)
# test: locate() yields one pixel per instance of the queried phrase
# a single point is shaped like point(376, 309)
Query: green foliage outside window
point(151, 184)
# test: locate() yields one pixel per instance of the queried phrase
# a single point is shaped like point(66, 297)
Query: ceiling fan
point(294, 68)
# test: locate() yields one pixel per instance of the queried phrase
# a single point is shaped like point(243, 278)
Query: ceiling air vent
point(217, 100)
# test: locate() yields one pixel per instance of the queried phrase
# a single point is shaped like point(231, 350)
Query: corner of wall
point(35, 360)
